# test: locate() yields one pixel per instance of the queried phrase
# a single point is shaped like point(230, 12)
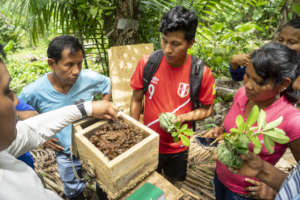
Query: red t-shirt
point(169, 91)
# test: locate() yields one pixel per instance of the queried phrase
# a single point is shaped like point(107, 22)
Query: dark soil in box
point(115, 137)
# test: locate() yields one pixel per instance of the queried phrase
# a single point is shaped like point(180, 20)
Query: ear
point(191, 42)
point(51, 63)
point(296, 84)
point(284, 84)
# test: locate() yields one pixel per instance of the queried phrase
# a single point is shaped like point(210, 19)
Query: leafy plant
point(237, 141)
point(178, 132)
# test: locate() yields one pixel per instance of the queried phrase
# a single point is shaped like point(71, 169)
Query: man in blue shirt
point(66, 84)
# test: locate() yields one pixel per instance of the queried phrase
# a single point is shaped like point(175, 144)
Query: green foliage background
point(226, 27)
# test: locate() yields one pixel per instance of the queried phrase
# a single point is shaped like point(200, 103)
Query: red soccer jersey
point(169, 91)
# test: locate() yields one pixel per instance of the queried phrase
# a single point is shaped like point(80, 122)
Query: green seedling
point(177, 131)
point(237, 141)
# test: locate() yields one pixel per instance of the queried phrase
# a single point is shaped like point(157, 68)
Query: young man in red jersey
point(169, 89)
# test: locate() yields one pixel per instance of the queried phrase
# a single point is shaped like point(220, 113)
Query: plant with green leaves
point(177, 131)
point(237, 141)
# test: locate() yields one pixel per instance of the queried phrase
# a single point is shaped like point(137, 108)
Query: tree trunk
point(125, 24)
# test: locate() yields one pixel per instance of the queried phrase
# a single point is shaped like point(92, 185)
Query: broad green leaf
point(296, 8)
point(261, 119)
point(174, 134)
point(257, 145)
point(176, 139)
point(269, 144)
point(8, 46)
point(249, 26)
point(185, 140)
point(177, 125)
point(277, 135)
point(273, 124)
point(240, 122)
point(235, 130)
point(252, 118)
point(188, 132)
point(183, 127)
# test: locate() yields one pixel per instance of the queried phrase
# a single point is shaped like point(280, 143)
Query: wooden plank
point(170, 191)
point(122, 63)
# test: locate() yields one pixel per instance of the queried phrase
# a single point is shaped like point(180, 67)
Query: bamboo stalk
point(50, 183)
point(198, 184)
point(190, 192)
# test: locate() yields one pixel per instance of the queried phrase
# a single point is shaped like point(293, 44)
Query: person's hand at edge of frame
point(103, 109)
point(214, 132)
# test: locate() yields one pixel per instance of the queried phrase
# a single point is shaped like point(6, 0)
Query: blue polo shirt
point(42, 96)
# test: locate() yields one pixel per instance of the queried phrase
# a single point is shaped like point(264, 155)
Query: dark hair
point(276, 62)
point(58, 44)
point(2, 54)
point(180, 19)
point(295, 23)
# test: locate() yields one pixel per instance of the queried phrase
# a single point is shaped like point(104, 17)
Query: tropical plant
point(178, 132)
point(226, 27)
point(237, 141)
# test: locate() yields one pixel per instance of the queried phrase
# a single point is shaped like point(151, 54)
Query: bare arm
point(26, 114)
point(239, 60)
point(272, 176)
point(136, 104)
point(197, 114)
point(254, 166)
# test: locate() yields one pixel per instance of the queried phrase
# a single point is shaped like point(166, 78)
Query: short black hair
point(276, 62)
point(295, 23)
point(180, 19)
point(58, 44)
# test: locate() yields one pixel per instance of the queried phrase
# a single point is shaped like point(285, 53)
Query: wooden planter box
point(126, 170)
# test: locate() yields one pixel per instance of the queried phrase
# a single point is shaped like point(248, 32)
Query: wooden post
point(122, 63)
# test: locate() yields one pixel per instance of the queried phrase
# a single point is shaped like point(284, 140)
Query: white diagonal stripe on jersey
point(174, 111)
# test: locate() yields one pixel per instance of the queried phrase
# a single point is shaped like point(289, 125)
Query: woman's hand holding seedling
point(169, 123)
point(237, 141)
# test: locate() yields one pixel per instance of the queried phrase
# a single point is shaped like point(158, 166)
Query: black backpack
point(196, 74)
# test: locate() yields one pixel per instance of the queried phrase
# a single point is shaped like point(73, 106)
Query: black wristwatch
point(81, 108)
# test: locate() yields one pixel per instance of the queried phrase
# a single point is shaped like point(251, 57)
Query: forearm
point(272, 176)
point(36, 130)
point(136, 109)
point(197, 114)
point(26, 114)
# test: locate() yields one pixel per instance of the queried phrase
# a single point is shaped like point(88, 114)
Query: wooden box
point(126, 170)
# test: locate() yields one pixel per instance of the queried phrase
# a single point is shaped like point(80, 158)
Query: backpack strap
point(151, 67)
point(196, 75)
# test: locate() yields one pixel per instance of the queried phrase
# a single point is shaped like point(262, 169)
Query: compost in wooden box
point(115, 137)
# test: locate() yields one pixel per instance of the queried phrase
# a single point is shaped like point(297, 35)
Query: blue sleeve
point(22, 106)
point(237, 74)
point(103, 85)
point(28, 96)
